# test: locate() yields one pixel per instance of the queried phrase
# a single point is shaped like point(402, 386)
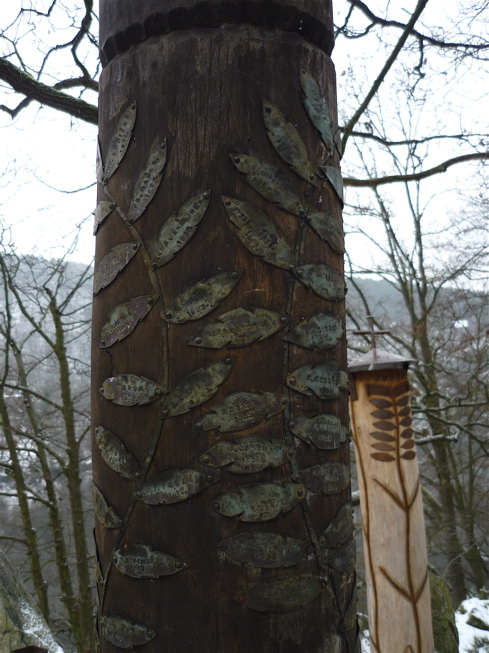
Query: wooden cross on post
point(372, 333)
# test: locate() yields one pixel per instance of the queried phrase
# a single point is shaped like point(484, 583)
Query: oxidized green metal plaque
point(124, 319)
point(323, 280)
point(327, 478)
point(322, 332)
point(329, 228)
point(340, 528)
point(316, 108)
point(259, 234)
point(130, 390)
point(264, 550)
point(281, 594)
point(325, 380)
point(112, 263)
point(202, 297)
point(179, 228)
point(333, 175)
point(142, 561)
point(125, 633)
point(116, 455)
point(287, 142)
point(260, 501)
point(119, 142)
point(106, 515)
point(324, 431)
point(239, 328)
point(174, 485)
point(103, 210)
point(148, 182)
point(198, 387)
point(343, 558)
point(270, 182)
point(242, 410)
point(248, 455)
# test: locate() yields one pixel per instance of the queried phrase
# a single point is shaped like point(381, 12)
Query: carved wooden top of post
point(377, 359)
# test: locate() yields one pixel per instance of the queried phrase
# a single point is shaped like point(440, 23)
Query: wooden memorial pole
point(392, 511)
point(221, 477)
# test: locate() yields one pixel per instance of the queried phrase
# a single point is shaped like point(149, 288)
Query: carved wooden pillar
point(396, 562)
point(221, 475)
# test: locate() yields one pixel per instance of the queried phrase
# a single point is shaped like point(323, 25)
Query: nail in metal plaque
point(281, 594)
point(116, 455)
point(325, 380)
point(174, 485)
point(264, 550)
point(124, 319)
point(323, 431)
point(148, 182)
point(248, 455)
point(327, 478)
point(125, 633)
point(321, 332)
point(119, 142)
point(239, 328)
point(260, 501)
point(202, 298)
point(317, 108)
point(197, 388)
point(328, 228)
point(106, 515)
point(259, 234)
point(242, 410)
point(340, 528)
point(323, 280)
point(130, 390)
point(142, 561)
point(103, 210)
point(113, 263)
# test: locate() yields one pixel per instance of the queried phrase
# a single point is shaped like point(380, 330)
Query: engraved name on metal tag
point(124, 318)
point(323, 280)
point(120, 141)
point(174, 485)
point(142, 561)
point(322, 332)
point(328, 228)
point(264, 550)
point(327, 478)
point(113, 263)
point(323, 431)
point(247, 455)
point(106, 515)
point(130, 390)
point(260, 501)
point(148, 182)
point(281, 594)
point(242, 410)
point(322, 379)
point(125, 633)
point(116, 455)
point(103, 210)
point(316, 108)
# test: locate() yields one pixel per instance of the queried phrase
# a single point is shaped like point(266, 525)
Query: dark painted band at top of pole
point(124, 23)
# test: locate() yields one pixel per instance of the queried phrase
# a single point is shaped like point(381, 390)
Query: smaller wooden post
point(392, 512)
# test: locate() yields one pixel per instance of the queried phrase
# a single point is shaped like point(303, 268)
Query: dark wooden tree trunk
point(221, 481)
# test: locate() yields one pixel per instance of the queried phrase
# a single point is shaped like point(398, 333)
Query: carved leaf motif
point(325, 380)
point(382, 414)
point(324, 431)
point(103, 210)
point(329, 228)
point(113, 263)
point(174, 485)
point(383, 446)
point(327, 478)
point(409, 455)
point(381, 403)
point(264, 550)
point(259, 234)
point(142, 561)
point(116, 455)
point(119, 142)
point(323, 280)
point(202, 298)
point(124, 318)
point(321, 331)
point(270, 182)
point(242, 410)
point(179, 228)
point(281, 594)
point(260, 501)
point(382, 457)
point(106, 515)
point(384, 437)
point(287, 142)
point(407, 433)
point(248, 455)
point(125, 633)
point(130, 390)
point(148, 182)
point(316, 108)
point(239, 328)
point(197, 388)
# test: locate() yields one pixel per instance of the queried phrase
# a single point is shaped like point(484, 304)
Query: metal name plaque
point(116, 455)
point(174, 485)
point(124, 318)
point(119, 142)
point(148, 182)
point(340, 528)
point(323, 431)
point(243, 410)
point(317, 108)
point(327, 478)
point(320, 332)
point(260, 501)
point(323, 280)
point(113, 263)
point(142, 561)
point(130, 390)
point(264, 550)
point(282, 594)
point(322, 379)
point(106, 515)
point(329, 228)
point(247, 455)
point(125, 633)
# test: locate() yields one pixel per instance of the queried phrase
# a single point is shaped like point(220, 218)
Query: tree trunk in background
point(211, 538)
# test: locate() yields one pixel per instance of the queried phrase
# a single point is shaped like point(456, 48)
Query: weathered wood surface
point(202, 90)
point(392, 514)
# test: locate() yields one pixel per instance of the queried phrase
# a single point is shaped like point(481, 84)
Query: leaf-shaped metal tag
point(130, 390)
point(324, 379)
point(148, 182)
point(324, 431)
point(281, 594)
point(328, 228)
point(197, 387)
point(124, 319)
point(119, 142)
point(323, 280)
point(333, 175)
point(343, 558)
point(116, 454)
point(242, 410)
point(248, 455)
point(322, 332)
point(239, 327)
point(259, 234)
point(316, 108)
point(174, 485)
point(264, 550)
point(340, 528)
point(112, 263)
point(270, 182)
point(106, 515)
point(260, 501)
point(202, 298)
point(103, 210)
point(125, 633)
point(142, 561)
point(327, 478)
point(179, 228)
point(287, 142)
